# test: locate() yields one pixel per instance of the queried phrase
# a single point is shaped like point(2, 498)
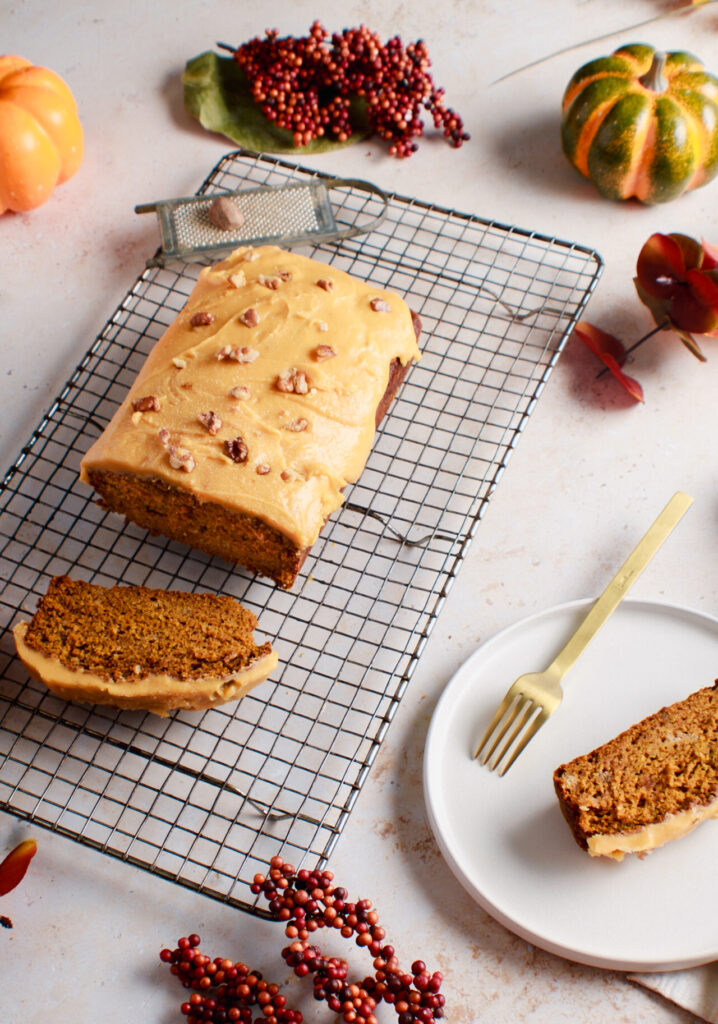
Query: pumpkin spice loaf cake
point(134, 647)
point(654, 782)
point(255, 409)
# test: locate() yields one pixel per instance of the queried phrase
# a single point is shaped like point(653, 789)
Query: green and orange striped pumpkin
point(642, 123)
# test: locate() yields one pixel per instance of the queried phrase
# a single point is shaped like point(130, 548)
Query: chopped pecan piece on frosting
point(262, 469)
point(293, 381)
point(323, 325)
point(241, 392)
point(237, 354)
point(250, 317)
point(324, 352)
point(202, 319)
point(296, 425)
point(238, 279)
point(380, 305)
point(211, 421)
point(150, 403)
point(236, 449)
point(180, 458)
point(179, 362)
point(327, 285)
point(286, 275)
point(269, 282)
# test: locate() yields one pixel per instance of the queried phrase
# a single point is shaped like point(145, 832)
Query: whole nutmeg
point(225, 214)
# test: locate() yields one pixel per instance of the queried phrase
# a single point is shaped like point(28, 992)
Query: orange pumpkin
point(41, 140)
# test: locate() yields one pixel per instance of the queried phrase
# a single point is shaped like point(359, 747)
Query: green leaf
point(216, 92)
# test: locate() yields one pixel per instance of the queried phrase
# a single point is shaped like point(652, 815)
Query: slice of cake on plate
point(134, 647)
point(654, 782)
point(255, 409)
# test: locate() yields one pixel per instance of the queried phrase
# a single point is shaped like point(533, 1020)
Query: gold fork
point(534, 697)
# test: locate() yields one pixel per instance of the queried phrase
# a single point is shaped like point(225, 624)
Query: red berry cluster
point(225, 991)
point(305, 86)
point(307, 901)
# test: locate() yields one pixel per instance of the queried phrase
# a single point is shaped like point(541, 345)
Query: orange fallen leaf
point(13, 868)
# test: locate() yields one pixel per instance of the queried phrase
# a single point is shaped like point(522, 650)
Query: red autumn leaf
point(691, 250)
point(600, 342)
point(660, 265)
point(677, 278)
point(687, 311)
point(611, 353)
point(705, 287)
point(710, 255)
point(13, 868)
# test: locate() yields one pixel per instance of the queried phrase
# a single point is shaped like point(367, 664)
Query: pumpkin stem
point(654, 78)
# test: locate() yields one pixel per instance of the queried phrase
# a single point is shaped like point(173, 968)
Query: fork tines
point(525, 716)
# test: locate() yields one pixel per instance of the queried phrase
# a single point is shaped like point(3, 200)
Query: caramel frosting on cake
point(158, 692)
point(262, 395)
point(673, 826)
point(143, 648)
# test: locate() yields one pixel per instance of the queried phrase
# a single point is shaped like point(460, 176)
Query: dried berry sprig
point(305, 85)
point(306, 901)
point(224, 990)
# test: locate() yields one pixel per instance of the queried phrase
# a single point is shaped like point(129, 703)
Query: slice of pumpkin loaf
point(654, 782)
point(134, 647)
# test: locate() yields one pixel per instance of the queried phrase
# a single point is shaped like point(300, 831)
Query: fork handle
point(619, 585)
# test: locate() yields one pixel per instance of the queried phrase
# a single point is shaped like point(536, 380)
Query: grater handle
point(364, 186)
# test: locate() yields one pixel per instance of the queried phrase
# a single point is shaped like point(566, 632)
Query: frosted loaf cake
point(255, 409)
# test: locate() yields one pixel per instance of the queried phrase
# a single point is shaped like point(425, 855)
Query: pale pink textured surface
point(589, 470)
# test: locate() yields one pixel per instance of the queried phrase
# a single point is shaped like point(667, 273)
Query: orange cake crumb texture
point(135, 632)
point(663, 765)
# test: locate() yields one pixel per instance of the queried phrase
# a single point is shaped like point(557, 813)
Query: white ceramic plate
point(505, 838)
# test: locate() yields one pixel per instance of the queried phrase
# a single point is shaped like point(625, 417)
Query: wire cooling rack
point(205, 799)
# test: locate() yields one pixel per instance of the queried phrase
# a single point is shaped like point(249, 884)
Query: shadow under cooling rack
point(205, 799)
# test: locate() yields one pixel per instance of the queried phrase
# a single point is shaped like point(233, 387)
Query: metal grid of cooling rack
point(205, 799)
